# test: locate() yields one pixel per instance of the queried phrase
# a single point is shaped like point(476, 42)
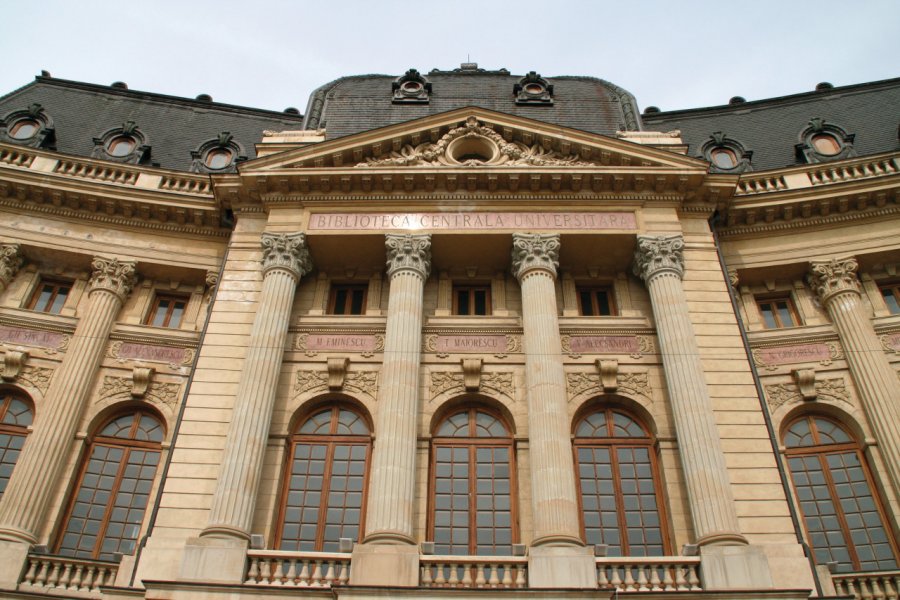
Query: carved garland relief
point(365, 382)
point(161, 392)
point(633, 384)
point(782, 393)
point(443, 382)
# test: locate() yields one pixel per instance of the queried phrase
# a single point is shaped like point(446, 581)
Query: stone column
point(389, 555)
point(10, 261)
point(558, 557)
point(219, 553)
point(38, 471)
point(879, 392)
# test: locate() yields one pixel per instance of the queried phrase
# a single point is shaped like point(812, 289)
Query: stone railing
point(650, 574)
point(883, 585)
point(473, 572)
point(97, 172)
point(69, 575)
point(16, 157)
point(849, 172)
point(816, 175)
point(760, 185)
point(186, 185)
point(297, 569)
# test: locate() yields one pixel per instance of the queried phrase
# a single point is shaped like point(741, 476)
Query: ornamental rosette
point(286, 251)
point(408, 252)
point(658, 254)
point(10, 261)
point(534, 251)
point(113, 275)
point(834, 276)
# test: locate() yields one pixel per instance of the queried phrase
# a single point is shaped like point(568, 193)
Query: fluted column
point(10, 261)
point(659, 261)
point(876, 381)
point(285, 261)
point(389, 517)
point(535, 259)
point(39, 468)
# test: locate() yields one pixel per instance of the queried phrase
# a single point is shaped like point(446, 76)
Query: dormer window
point(822, 141)
point(121, 145)
point(533, 89)
point(125, 144)
point(825, 144)
point(411, 88)
point(726, 154)
point(723, 158)
point(29, 127)
point(217, 156)
point(24, 129)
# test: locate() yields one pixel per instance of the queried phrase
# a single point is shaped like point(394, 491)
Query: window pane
point(891, 294)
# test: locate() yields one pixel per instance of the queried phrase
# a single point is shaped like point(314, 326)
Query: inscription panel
point(31, 337)
point(800, 353)
point(165, 354)
point(346, 342)
point(554, 221)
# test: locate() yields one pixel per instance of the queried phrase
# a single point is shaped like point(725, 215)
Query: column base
point(384, 564)
point(562, 567)
point(735, 567)
point(216, 560)
point(13, 558)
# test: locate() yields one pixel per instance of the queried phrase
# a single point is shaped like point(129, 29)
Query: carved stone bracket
point(161, 392)
point(444, 382)
point(471, 373)
point(212, 280)
point(10, 262)
point(634, 384)
point(13, 361)
point(113, 275)
point(408, 252)
point(532, 251)
point(140, 380)
point(806, 382)
point(286, 251)
point(783, 393)
point(657, 254)
point(834, 276)
point(337, 372)
point(609, 371)
point(361, 381)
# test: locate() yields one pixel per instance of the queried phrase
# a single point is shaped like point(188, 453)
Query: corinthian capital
point(286, 251)
point(532, 251)
point(112, 275)
point(831, 277)
point(657, 254)
point(10, 261)
point(408, 252)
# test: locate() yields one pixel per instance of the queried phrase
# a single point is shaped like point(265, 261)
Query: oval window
point(218, 158)
point(723, 158)
point(533, 89)
point(121, 145)
point(411, 87)
point(24, 129)
point(826, 144)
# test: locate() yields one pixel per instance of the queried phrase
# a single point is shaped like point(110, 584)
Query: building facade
point(458, 333)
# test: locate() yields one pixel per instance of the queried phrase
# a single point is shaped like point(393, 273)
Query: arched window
point(106, 511)
point(843, 517)
point(325, 481)
point(472, 485)
point(15, 417)
point(618, 479)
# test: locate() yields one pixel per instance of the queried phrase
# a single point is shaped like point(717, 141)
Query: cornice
point(154, 336)
point(33, 320)
point(804, 222)
point(759, 339)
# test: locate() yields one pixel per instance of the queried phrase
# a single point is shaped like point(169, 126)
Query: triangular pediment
point(473, 138)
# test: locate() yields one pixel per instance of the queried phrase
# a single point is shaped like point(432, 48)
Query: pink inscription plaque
point(470, 343)
point(794, 354)
point(893, 341)
point(30, 337)
point(352, 343)
point(554, 221)
point(166, 354)
point(604, 344)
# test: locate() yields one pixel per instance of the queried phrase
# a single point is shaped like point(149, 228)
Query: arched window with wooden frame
point(473, 484)
point(619, 487)
point(844, 519)
point(16, 415)
point(105, 512)
point(325, 481)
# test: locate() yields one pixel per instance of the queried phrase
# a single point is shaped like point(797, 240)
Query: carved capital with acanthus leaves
point(113, 275)
point(408, 252)
point(657, 255)
point(10, 261)
point(287, 252)
point(534, 251)
point(832, 277)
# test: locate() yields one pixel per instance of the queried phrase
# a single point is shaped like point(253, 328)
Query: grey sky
point(272, 54)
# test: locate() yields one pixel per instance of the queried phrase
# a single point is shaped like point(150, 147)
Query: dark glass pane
point(462, 302)
point(586, 302)
point(356, 307)
point(480, 302)
point(890, 299)
point(768, 314)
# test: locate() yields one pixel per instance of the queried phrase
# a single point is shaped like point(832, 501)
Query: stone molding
point(533, 251)
point(832, 277)
point(112, 275)
point(659, 254)
point(288, 252)
point(10, 262)
point(408, 252)
point(783, 393)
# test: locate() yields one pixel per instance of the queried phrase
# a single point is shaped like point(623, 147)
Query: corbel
point(337, 372)
point(609, 373)
point(471, 373)
point(806, 382)
point(140, 380)
point(13, 361)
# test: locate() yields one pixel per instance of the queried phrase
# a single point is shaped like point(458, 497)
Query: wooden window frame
point(821, 450)
point(349, 288)
point(471, 289)
point(722, 151)
point(39, 290)
point(473, 442)
point(894, 289)
point(613, 442)
point(167, 319)
point(6, 397)
point(332, 439)
point(771, 299)
point(595, 304)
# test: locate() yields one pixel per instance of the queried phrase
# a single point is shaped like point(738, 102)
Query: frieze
point(36, 377)
point(634, 384)
point(891, 342)
point(498, 344)
point(364, 343)
point(634, 346)
point(33, 337)
point(823, 353)
point(174, 356)
point(444, 381)
point(478, 221)
point(162, 392)
point(783, 393)
point(365, 382)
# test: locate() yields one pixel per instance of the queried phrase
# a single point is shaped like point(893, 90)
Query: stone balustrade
point(650, 574)
point(473, 572)
point(74, 577)
point(883, 585)
point(297, 569)
point(96, 171)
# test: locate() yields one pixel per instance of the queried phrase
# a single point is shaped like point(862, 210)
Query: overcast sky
point(272, 54)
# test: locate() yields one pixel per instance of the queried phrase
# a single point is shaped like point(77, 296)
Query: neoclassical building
point(463, 333)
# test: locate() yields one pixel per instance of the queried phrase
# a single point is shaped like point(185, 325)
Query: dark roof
point(771, 128)
point(173, 126)
point(359, 103)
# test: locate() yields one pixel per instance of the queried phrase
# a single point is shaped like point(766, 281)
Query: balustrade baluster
point(439, 574)
point(467, 575)
point(304, 574)
point(480, 580)
point(507, 575)
point(426, 575)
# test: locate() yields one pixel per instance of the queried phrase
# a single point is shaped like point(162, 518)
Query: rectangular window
point(472, 300)
point(891, 294)
point(347, 300)
point(595, 302)
point(50, 296)
point(778, 313)
point(166, 312)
